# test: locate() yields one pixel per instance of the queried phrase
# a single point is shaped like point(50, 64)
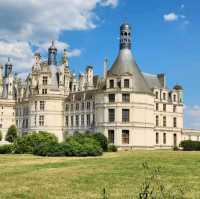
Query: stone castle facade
point(133, 109)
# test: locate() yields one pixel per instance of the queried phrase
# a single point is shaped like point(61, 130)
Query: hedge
point(6, 148)
point(189, 145)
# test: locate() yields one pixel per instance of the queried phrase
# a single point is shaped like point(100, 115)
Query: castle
point(131, 108)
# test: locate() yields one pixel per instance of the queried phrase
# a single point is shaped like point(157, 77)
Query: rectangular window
point(164, 96)
point(77, 120)
point(111, 136)
point(44, 91)
point(125, 136)
point(66, 107)
point(111, 115)
point(164, 138)
point(175, 122)
point(125, 97)
point(66, 121)
point(157, 94)
point(35, 120)
point(42, 105)
point(125, 115)
point(72, 120)
point(45, 80)
point(157, 138)
point(111, 83)
point(126, 83)
point(88, 119)
point(82, 120)
point(72, 107)
point(35, 105)
point(82, 106)
point(174, 108)
point(88, 105)
point(157, 120)
point(164, 107)
point(77, 107)
point(164, 121)
point(111, 98)
point(157, 107)
point(41, 120)
point(119, 83)
point(174, 98)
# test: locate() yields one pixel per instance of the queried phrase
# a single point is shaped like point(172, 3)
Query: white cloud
point(20, 53)
point(36, 20)
point(170, 17)
point(26, 23)
point(192, 116)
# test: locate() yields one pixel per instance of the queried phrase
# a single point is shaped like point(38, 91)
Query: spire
point(125, 36)
point(52, 52)
point(105, 67)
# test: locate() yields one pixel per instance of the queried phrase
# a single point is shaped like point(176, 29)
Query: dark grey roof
point(152, 80)
point(178, 87)
point(126, 65)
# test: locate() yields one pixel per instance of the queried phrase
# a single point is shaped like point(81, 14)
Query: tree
point(1, 136)
point(12, 134)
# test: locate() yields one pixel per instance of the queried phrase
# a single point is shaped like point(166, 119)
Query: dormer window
point(126, 83)
point(157, 94)
point(174, 98)
point(164, 96)
point(111, 83)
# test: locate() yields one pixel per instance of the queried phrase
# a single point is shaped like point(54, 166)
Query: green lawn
point(26, 176)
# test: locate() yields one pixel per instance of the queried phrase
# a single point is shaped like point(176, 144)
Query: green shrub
point(102, 139)
point(1, 136)
point(77, 145)
point(112, 148)
point(28, 143)
point(189, 145)
point(12, 134)
point(6, 149)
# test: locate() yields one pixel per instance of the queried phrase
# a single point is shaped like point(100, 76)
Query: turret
point(65, 59)
point(179, 91)
point(52, 53)
point(37, 60)
point(8, 68)
point(89, 76)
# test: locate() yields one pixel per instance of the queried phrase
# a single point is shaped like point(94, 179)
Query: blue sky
point(165, 37)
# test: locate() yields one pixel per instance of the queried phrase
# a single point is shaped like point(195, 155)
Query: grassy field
point(26, 176)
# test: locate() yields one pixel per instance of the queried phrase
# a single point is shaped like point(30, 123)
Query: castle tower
point(8, 81)
point(52, 53)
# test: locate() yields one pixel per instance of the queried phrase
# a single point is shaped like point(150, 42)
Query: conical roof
point(126, 65)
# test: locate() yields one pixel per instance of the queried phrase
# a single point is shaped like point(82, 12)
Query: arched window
point(157, 138)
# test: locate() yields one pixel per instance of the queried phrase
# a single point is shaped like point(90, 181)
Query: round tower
point(52, 53)
point(125, 36)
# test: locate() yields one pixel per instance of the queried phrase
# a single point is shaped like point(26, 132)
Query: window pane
point(125, 115)
point(125, 97)
point(111, 115)
point(111, 97)
point(111, 136)
point(126, 83)
point(125, 136)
